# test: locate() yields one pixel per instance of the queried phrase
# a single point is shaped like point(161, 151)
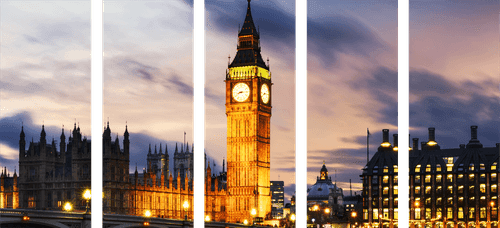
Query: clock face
point(241, 92)
point(264, 93)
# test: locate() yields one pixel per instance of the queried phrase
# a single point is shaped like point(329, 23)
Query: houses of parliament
point(50, 176)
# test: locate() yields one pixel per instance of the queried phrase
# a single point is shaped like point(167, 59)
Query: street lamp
point(292, 217)
point(86, 196)
point(147, 214)
point(245, 222)
point(207, 218)
point(253, 213)
point(186, 206)
point(68, 207)
point(315, 208)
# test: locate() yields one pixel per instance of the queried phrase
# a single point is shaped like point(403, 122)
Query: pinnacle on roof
point(22, 132)
point(161, 152)
point(149, 152)
point(248, 27)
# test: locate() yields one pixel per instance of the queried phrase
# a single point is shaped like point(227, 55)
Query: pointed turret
point(42, 136)
point(156, 152)
point(161, 152)
point(187, 147)
point(149, 152)
point(22, 144)
point(176, 149)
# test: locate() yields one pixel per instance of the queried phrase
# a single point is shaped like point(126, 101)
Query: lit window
point(427, 213)
point(365, 214)
point(481, 166)
point(427, 178)
point(417, 190)
point(439, 213)
point(494, 166)
point(428, 201)
point(417, 179)
point(386, 202)
point(482, 188)
point(395, 190)
point(471, 177)
point(417, 213)
point(395, 168)
point(450, 189)
point(449, 213)
point(396, 213)
point(482, 176)
point(395, 179)
point(471, 167)
point(428, 168)
point(386, 169)
point(482, 212)
point(471, 189)
point(428, 189)
point(494, 212)
point(449, 201)
point(386, 190)
point(460, 213)
point(375, 213)
point(385, 180)
point(471, 212)
point(449, 177)
point(438, 167)
point(417, 169)
point(493, 176)
point(449, 167)
point(439, 201)
point(395, 202)
point(460, 176)
point(460, 200)
point(460, 189)
point(494, 188)
point(438, 178)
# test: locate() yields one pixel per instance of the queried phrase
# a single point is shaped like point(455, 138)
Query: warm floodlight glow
point(385, 144)
point(315, 208)
point(207, 218)
point(67, 206)
point(431, 143)
point(254, 212)
point(245, 222)
point(87, 195)
point(185, 205)
point(395, 148)
point(354, 214)
point(327, 210)
point(147, 213)
point(292, 217)
point(26, 218)
point(417, 203)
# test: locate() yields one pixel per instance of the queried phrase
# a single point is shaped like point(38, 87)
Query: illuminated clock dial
point(264, 93)
point(241, 92)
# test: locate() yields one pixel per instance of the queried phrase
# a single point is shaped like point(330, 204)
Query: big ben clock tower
point(248, 110)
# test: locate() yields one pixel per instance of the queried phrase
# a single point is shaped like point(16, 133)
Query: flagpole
point(367, 146)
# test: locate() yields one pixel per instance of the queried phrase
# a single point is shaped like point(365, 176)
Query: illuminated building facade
point(248, 111)
point(324, 199)
point(9, 194)
point(448, 187)
point(277, 199)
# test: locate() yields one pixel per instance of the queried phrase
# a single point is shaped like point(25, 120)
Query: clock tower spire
point(248, 111)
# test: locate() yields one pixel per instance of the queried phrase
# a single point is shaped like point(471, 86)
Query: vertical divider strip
point(301, 112)
point(403, 111)
point(199, 111)
point(96, 44)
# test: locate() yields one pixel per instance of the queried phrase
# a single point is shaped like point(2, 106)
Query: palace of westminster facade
point(49, 177)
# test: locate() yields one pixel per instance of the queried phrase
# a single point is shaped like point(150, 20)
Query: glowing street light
point(147, 213)
point(207, 218)
point(354, 214)
point(68, 207)
point(186, 206)
point(292, 217)
point(327, 211)
point(253, 213)
point(87, 196)
point(315, 208)
point(245, 222)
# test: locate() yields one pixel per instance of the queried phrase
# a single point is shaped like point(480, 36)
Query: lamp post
point(186, 206)
point(292, 217)
point(147, 214)
point(87, 196)
point(207, 218)
point(253, 213)
point(353, 216)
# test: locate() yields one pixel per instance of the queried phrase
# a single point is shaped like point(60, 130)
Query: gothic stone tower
point(248, 110)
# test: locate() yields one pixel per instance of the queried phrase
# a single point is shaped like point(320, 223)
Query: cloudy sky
point(352, 75)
